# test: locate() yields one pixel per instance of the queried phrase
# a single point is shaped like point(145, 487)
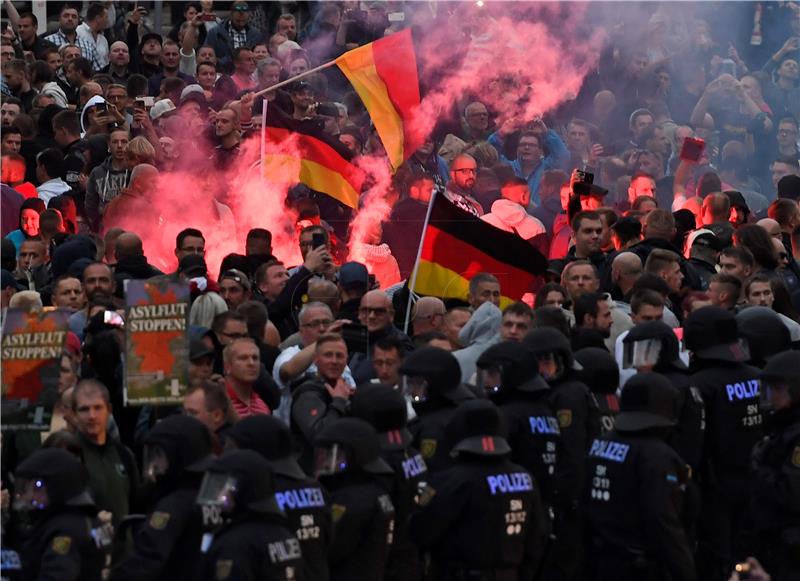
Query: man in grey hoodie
point(108, 179)
point(480, 333)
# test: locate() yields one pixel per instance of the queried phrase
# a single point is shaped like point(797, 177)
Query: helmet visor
point(155, 462)
point(30, 494)
point(218, 490)
point(551, 365)
point(416, 388)
point(641, 354)
point(490, 378)
point(329, 460)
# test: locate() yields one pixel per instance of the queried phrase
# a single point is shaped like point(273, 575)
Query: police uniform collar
point(483, 446)
point(535, 384)
point(378, 466)
point(734, 352)
point(288, 467)
point(398, 439)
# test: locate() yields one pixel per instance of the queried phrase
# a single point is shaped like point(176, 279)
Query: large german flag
point(384, 74)
point(302, 152)
point(457, 246)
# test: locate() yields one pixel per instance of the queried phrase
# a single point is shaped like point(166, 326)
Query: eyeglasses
point(377, 311)
point(235, 335)
point(316, 324)
point(465, 170)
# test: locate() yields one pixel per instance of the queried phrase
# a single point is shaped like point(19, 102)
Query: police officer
point(385, 409)
point(579, 422)
point(480, 519)
point(57, 519)
point(511, 377)
point(776, 469)
point(653, 346)
point(303, 499)
point(600, 373)
point(730, 391)
point(251, 541)
point(432, 380)
point(765, 333)
point(348, 463)
point(635, 491)
point(176, 451)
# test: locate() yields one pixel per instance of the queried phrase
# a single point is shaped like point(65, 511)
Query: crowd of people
point(636, 416)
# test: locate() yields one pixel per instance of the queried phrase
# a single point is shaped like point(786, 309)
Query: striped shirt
point(59, 39)
point(254, 406)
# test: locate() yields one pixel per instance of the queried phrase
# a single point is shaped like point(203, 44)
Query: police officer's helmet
point(711, 333)
point(271, 438)
point(176, 444)
point(782, 371)
point(600, 371)
point(49, 478)
point(765, 333)
point(238, 481)
point(550, 343)
point(435, 373)
point(648, 401)
point(349, 444)
point(508, 366)
point(386, 410)
point(477, 427)
point(653, 344)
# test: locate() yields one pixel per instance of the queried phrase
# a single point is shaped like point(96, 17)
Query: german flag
point(457, 246)
point(384, 74)
point(302, 150)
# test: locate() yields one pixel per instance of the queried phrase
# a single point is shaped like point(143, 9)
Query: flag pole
point(416, 262)
point(308, 73)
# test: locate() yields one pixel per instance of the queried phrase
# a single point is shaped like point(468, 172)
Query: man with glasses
point(463, 174)
point(297, 361)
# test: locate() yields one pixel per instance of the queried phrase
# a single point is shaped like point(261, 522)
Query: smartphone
point(582, 187)
point(397, 16)
point(692, 149)
point(102, 108)
point(145, 102)
point(728, 66)
point(355, 337)
point(317, 240)
point(208, 17)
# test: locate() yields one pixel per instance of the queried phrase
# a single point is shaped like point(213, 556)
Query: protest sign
point(156, 366)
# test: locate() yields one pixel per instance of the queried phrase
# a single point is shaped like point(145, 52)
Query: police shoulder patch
point(426, 494)
point(337, 511)
point(61, 545)
point(223, 569)
point(427, 448)
point(796, 456)
point(564, 418)
point(159, 520)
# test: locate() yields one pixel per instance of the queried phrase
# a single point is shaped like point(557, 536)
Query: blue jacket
point(219, 39)
point(556, 157)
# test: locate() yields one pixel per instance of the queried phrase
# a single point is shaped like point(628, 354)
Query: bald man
point(376, 313)
point(428, 315)
point(771, 226)
point(625, 271)
point(463, 176)
point(131, 261)
point(135, 200)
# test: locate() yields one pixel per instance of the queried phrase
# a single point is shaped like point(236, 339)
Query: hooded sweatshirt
point(480, 333)
point(104, 184)
point(512, 217)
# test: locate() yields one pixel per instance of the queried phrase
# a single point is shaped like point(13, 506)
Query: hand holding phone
point(692, 149)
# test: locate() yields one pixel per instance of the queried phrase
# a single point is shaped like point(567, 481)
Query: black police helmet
point(544, 340)
point(386, 410)
point(600, 371)
point(712, 333)
point(439, 367)
point(66, 478)
point(271, 438)
point(670, 347)
point(255, 484)
point(648, 401)
point(477, 427)
point(784, 368)
point(520, 371)
point(765, 333)
point(185, 440)
point(360, 440)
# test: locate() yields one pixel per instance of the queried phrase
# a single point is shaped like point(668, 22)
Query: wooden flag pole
point(295, 78)
point(413, 281)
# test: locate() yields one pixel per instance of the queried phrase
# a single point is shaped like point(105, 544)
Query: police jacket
point(308, 515)
point(579, 422)
point(62, 548)
point(534, 436)
point(481, 515)
point(363, 526)
point(686, 437)
point(427, 431)
point(166, 545)
point(730, 392)
point(313, 408)
point(635, 501)
point(254, 548)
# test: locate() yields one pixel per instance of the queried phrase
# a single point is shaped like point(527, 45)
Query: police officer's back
point(303, 499)
point(511, 378)
point(166, 545)
point(634, 502)
point(776, 469)
point(251, 541)
point(433, 380)
point(385, 409)
point(600, 373)
point(482, 517)
point(765, 333)
point(57, 519)
point(359, 481)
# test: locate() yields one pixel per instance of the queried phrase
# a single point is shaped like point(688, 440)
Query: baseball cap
point(151, 36)
point(9, 280)
point(162, 107)
point(703, 237)
point(198, 349)
point(353, 273)
point(789, 187)
point(240, 6)
point(237, 276)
